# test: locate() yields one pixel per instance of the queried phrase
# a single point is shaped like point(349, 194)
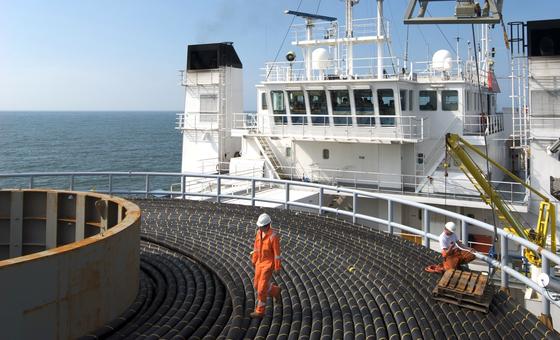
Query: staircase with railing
point(270, 158)
point(433, 157)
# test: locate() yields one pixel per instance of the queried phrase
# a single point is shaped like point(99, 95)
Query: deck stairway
point(270, 158)
point(434, 157)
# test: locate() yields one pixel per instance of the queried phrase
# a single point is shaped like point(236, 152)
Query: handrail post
point(321, 192)
point(110, 184)
point(253, 191)
point(426, 226)
point(286, 204)
point(72, 182)
point(183, 186)
point(464, 232)
point(545, 301)
point(389, 217)
point(504, 260)
point(147, 186)
point(511, 192)
point(218, 189)
point(354, 207)
point(31, 182)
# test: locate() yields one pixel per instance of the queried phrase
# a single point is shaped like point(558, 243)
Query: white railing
point(366, 68)
point(410, 185)
point(198, 121)
point(506, 270)
point(432, 186)
point(363, 68)
point(480, 125)
point(424, 71)
point(340, 127)
point(366, 27)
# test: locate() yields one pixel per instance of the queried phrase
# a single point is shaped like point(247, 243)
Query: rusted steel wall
point(84, 277)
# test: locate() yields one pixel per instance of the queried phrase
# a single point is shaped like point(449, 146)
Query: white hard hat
point(263, 220)
point(450, 226)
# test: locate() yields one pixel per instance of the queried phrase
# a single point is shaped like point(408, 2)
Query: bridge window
point(450, 100)
point(297, 107)
point(427, 100)
point(364, 107)
point(403, 99)
point(264, 105)
point(318, 105)
point(410, 99)
point(340, 100)
point(326, 153)
point(386, 99)
point(468, 100)
point(279, 107)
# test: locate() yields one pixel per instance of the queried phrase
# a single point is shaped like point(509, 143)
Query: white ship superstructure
point(332, 113)
point(213, 80)
point(542, 140)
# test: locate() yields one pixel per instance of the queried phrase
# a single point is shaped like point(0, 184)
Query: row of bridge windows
point(341, 105)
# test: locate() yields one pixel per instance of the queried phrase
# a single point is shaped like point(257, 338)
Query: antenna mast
point(379, 42)
point(349, 35)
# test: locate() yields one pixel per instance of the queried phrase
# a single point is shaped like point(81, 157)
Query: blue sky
point(125, 55)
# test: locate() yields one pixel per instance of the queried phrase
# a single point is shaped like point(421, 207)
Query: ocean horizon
point(73, 141)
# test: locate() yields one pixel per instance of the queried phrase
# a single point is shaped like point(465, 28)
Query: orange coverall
point(266, 259)
point(456, 257)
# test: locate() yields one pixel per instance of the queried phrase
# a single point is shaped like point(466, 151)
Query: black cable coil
point(339, 281)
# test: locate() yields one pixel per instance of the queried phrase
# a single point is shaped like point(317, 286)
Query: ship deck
point(339, 281)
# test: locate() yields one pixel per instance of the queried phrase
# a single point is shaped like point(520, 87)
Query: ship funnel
point(442, 61)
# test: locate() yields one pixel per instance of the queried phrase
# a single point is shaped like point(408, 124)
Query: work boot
point(255, 315)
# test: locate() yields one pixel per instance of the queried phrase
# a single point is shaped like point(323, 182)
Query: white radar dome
point(320, 59)
point(442, 60)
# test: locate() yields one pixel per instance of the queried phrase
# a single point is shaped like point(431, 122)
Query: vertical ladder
point(519, 85)
point(222, 119)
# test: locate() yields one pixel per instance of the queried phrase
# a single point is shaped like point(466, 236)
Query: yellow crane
point(459, 149)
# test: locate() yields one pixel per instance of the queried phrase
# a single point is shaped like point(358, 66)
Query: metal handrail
point(339, 126)
point(397, 183)
point(287, 203)
point(361, 27)
point(364, 68)
point(483, 124)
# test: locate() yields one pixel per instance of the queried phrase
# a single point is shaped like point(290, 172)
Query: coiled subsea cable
point(339, 281)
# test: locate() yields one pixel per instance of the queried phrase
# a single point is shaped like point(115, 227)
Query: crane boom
point(457, 147)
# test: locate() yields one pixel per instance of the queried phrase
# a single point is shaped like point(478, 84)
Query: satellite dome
point(442, 60)
point(320, 59)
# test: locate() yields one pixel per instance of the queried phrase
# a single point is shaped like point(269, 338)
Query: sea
point(68, 141)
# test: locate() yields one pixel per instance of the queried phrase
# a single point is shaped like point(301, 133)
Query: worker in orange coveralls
point(453, 251)
point(266, 260)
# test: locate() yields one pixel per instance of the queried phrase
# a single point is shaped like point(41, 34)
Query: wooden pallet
point(466, 289)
